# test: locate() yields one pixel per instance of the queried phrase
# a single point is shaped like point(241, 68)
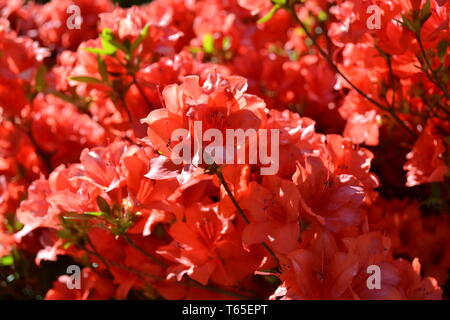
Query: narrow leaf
point(100, 51)
point(87, 80)
point(95, 214)
point(442, 48)
point(40, 80)
point(425, 13)
point(102, 68)
point(103, 205)
point(139, 39)
point(269, 15)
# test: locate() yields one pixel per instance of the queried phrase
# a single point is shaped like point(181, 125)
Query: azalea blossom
point(239, 149)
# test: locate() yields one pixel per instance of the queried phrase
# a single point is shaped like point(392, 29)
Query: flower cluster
point(87, 175)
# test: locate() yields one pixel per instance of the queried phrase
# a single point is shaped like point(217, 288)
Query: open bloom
point(220, 103)
point(205, 247)
point(425, 161)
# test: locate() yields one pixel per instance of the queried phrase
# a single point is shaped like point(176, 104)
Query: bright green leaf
point(108, 48)
point(107, 34)
point(100, 51)
point(208, 43)
point(95, 214)
point(269, 15)
point(279, 2)
point(139, 39)
point(6, 261)
point(110, 44)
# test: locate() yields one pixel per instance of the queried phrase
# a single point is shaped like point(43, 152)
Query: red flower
point(220, 103)
point(93, 287)
point(19, 61)
point(319, 272)
point(63, 132)
point(333, 200)
point(273, 211)
point(425, 162)
point(206, 247)
point(103, 167)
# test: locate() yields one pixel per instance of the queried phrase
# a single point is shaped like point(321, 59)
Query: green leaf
point(103, 205)
point(442, 49)
point(293, 55)
point(269, 15)
point(6, 261)
point(110, 44)
point(425, 13)
point(194, 50)
point(208, 43)
point(87, 80)
point(108, 48)
point(102, 68)
point(76, 216)
point(107, 39)
point(139, 39)
point(66, 245)
point(273, 280)
point(100, 51)
point(95, 214)
point(226, 43)
point(107, 34)
point(40, 80)
point(409, 24)
point(322, 16)
point(445, 78)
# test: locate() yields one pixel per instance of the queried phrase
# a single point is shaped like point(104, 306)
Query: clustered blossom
point(86, 168)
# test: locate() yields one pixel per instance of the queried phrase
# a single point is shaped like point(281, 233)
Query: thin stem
point(434, 78)
point(97, 253)
point(241, 212)
point(121, 266)
point(190, 283)
point(145, 253)
point(336, 69)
